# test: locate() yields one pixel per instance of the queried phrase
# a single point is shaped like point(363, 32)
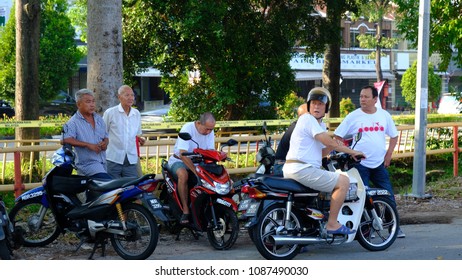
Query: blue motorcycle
point(121, 210)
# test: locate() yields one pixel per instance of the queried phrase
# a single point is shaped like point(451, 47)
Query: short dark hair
point(375, 93)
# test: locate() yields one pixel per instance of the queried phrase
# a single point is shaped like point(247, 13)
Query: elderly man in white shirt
point(123, 126)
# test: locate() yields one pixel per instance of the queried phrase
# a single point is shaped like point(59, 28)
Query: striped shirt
point(88, 162)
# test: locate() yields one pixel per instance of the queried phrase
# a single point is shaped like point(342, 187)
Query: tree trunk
point(331, 68)
point(27, 59)
point(104, 43)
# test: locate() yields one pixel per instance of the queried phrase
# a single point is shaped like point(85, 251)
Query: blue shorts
point(192, 181)
point(177, 165)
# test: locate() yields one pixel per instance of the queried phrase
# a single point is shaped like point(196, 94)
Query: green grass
point(439, 170)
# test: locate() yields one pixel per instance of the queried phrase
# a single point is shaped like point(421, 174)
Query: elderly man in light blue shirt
point(86, 132)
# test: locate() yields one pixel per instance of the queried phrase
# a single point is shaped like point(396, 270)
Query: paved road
point(423, 242)
point(419, 255)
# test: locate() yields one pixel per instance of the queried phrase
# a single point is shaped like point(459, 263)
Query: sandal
point(184, 220)
point(341, 230)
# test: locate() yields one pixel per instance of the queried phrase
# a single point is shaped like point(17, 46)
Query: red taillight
point(245, 189)
point(149, 187)
point(253, 192)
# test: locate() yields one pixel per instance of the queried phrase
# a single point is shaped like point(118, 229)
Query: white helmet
point(321, 94)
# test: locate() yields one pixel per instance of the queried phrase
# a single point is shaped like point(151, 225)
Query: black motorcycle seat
point(103, 186)
point(258, 175)
point(285, 184)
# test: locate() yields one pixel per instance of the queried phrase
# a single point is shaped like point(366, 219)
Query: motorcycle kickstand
point(194, 233)
point(99, 243)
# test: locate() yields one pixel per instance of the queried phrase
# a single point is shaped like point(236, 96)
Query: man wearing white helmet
point(309, 143)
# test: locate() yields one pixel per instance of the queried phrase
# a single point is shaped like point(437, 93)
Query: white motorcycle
point(286, 216)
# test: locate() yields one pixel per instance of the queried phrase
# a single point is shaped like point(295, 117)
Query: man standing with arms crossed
point(375, 124)
point(86, 132)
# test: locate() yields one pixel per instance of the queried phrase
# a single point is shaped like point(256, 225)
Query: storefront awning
point(317, 75)
point(308, 75)
point(366, 75)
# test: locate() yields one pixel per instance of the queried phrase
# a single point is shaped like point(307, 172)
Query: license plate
point(244, 204)
point(252, 209)
point(155, 204)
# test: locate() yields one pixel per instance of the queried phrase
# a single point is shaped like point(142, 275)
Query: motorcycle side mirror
point(185, 136)
point(357, 138)
point(264, 127)
point(231, 142)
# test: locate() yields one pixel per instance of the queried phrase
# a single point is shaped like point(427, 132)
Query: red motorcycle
point(210, 198)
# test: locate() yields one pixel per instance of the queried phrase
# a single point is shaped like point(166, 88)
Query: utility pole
point(418, 177)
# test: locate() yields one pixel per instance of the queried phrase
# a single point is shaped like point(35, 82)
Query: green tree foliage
point(346, 106)
point(77, 13)
point(331, 31)
point(408, 84)
point(241, 49)
point(58, 53)
point(445, 27)
point(375, 11)
point(288, 108)
point(7, 59)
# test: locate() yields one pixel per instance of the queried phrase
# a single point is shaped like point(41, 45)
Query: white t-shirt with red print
point(374, 127)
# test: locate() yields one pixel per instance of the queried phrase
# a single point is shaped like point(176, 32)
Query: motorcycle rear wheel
point(269, 220)
point(143, 234)
point(36, 232)
point(225, 236)
point(369, 235)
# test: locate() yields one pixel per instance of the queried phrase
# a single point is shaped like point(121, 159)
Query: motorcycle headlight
point(218, 188)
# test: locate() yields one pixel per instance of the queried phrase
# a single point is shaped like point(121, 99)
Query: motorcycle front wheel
point(36, 222)
point(369, 234)
point(224, 235)
point(140, 239)
point(269, 221)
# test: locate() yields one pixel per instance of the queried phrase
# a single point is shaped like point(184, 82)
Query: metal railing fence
point(160, 146)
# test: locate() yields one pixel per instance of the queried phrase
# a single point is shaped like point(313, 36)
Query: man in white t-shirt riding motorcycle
point(309, 143)
point(202, 131)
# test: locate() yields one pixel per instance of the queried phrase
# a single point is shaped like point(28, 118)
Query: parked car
point(449, 103)
point(6, 109)
point(157, 115)
point(62, 104)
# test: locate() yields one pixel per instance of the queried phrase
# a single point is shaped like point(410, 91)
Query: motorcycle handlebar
point(344, 157)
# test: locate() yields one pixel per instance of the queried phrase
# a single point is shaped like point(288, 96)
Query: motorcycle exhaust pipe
point(111, 225)
point(292, 240)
